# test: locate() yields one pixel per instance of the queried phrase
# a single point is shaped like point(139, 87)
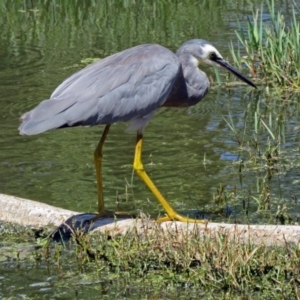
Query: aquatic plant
point(269, 46)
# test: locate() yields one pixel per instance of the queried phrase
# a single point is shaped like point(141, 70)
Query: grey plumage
point(128, 86)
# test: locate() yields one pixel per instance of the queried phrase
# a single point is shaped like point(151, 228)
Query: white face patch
point(206, 49)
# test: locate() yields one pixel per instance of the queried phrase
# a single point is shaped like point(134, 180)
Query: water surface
point(188, 152)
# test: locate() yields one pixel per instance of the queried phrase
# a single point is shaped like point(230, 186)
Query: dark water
point(189, 152)
point(43, 42)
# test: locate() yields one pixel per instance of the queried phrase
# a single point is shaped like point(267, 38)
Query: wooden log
point(31, 213)
point(35, 214)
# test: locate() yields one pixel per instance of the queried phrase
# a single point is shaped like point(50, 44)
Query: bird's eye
point(212, 56)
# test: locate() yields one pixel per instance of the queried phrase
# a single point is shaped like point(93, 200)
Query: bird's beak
point(230, 68)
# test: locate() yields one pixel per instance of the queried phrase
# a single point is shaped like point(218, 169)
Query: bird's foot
point(180, 218)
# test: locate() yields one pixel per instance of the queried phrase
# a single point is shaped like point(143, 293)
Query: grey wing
point(121, 87)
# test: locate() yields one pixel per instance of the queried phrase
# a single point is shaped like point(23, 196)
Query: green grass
point(160, 264)
point(214, 265)
point(270, 48)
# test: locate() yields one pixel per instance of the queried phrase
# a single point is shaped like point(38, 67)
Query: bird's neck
point(188, 60)
point(191, 84)
point(196, 80)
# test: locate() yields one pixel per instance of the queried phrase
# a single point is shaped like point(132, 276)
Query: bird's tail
point(46, 116)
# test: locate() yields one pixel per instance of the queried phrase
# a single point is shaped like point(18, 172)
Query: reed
point(270, 48)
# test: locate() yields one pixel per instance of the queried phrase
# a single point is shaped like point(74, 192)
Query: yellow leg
point(139, 168)
point(98, 165)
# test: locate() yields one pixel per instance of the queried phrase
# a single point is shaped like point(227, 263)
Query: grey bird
point(128, 87)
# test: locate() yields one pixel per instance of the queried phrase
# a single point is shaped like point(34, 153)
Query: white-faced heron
point(128, 87)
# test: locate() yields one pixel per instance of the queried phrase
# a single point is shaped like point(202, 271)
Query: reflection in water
point(188, 152)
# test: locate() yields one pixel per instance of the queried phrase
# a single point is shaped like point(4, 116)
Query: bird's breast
point(184, 94)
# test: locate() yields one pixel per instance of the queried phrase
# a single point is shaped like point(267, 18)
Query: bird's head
point(203, 52)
